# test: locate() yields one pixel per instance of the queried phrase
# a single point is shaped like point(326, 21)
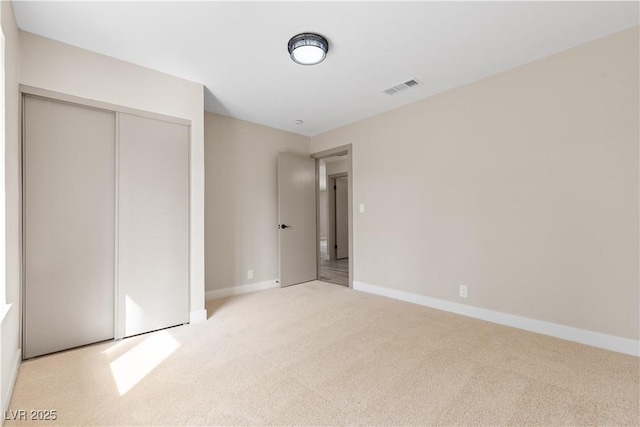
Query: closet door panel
point(69, 225)
point(153, 221)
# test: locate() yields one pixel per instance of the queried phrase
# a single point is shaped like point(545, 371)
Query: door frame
point(332, 152)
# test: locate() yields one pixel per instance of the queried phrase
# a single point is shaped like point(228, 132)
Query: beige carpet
point(323, 354)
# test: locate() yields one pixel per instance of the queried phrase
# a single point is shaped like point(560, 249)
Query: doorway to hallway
point(333, 218)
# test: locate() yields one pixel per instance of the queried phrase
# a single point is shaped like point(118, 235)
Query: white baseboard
point(6, 399)
point(198, 316)
point(242, 289)
point(582, 336)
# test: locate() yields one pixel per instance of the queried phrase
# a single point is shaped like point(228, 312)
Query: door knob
point(283, 226)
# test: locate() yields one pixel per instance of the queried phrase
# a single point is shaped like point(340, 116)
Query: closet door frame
point(32, 91)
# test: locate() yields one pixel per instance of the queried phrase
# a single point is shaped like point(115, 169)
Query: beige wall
point(241, 199)
point(523, 186)
point(59, 67)
point(10, 331)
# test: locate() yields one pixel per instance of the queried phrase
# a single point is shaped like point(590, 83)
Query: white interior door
point(342, 217)
point(297, 218)
point(153, 222)
point(69, 225)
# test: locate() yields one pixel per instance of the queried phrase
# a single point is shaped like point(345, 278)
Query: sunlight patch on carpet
point(115, 347)
point(130, 368)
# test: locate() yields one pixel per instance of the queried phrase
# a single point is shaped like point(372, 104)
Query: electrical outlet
point(463, 291)
point(250, 274)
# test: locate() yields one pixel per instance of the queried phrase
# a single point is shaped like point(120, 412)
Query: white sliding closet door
point(153, 223)
point(69, 225)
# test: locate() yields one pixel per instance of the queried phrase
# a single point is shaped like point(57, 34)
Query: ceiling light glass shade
point(308, 48)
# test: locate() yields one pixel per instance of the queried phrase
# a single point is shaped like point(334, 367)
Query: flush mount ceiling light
point(308, 48)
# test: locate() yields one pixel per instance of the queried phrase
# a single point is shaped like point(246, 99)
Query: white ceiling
point(238, 50)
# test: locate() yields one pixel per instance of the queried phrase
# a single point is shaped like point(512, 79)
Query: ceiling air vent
point(402, 86)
